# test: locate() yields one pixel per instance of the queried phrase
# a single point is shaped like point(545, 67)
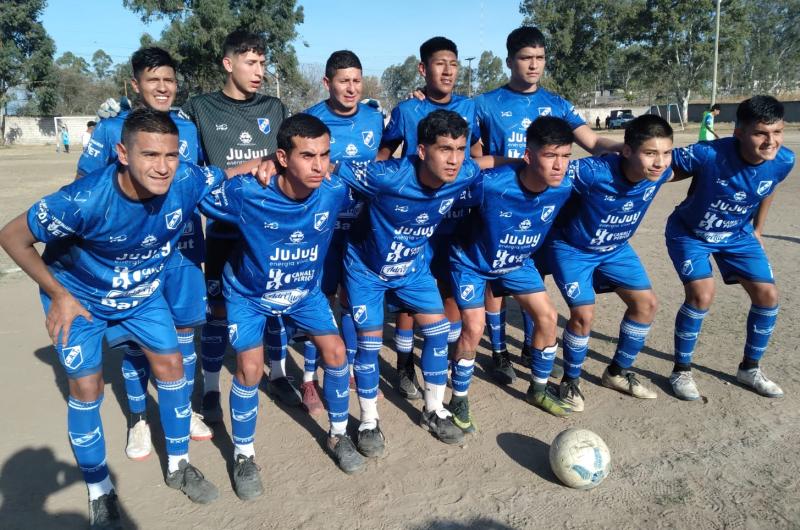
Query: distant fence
point(40, 130)
point(727, 111)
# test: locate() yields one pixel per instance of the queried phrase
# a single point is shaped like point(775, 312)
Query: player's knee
point(580, 322)
point(766, 295)
point(88, 388)
point(167, 367)
point(334, 355)
point(646, 307)
point(700, 298)
point(250, 370)
point(546, 319)
point(471, 330)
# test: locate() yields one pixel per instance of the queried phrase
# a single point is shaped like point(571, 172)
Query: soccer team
point(302, 210)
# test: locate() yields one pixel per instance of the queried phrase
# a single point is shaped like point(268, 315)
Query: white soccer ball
point(580, 458)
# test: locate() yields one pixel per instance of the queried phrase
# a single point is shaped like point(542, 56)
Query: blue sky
point(381, 32)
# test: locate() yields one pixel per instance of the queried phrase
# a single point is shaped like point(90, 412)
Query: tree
point(399, 80)
point(197, 30)
point(26, 54)
point(490, 73)
point(101, 63)
point(78, 91)
point(371, 87)
point(70, 61)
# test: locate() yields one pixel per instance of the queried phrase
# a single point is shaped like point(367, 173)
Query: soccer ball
point(580, 458)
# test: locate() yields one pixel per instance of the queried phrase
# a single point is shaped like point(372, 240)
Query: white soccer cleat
point(198, 430)
point(683, 386)
point(627, 383)
point(139, 443)
point(755, 379)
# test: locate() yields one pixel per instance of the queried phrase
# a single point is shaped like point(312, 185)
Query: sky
point(380, 32)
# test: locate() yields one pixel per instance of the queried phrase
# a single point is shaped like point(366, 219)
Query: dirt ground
point(727, 461)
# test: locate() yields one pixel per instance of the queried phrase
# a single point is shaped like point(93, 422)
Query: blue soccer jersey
point(108, 250)
point(407, 114)
point(285, 240)
point(606, 208)
point(504, 116)
point(402, 213)
point(726, 191)
point(513, 221)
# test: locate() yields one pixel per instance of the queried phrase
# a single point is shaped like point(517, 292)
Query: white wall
point(27, 130)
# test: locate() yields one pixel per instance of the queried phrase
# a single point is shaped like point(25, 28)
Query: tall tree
point(101, 63)
point(399, 80)
point(197, 30)
point(490, 73)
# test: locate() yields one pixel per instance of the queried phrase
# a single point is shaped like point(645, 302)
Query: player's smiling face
point(441, 161)
point(246, 71)
point(759, 142)
point(151, 160)
point(305, 165)
point(527, 67)
point(345, 90)
point(548, 164)
point(649, 160)
point(440, 73)
point(156, 87)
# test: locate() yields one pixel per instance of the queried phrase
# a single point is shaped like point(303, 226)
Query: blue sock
point(244, 412)
point(496, 324)
point(688, 322)
point(186, 347)
point(454, 333)
point(366, 367)
point(86, 437)
point(462, 375)
point(309, 357)
point(349, 335)
point(631, 341)
point(336, 392)
point(276, 340)
point(434, 352)
point(543, 363)
point(760, 323)
point(176, 413)
point(213, 341)
point(403, 344)
point(136, 372)
point(527, 329)
point(575, 348)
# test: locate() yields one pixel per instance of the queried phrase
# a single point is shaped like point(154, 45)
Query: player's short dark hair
point(339, 60)
point(150, 58)
point(441, 123)
point(436, 44)
point(148, 120)
point(241, 41)
point(548, 130)
point(645, 127)
point(524, 37)
point(715, 106)
point(764, 109)
point(302, 125)
point(91, 123)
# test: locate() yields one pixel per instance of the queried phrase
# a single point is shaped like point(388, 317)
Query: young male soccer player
point(504, 115)
point(236, 124)
point(108, 239)
point(513, 210)
point(405, 199)
point(439, 66)
point(590, 252)
point(286, 228)
point(707, 131)
point(155, 82)
point(355, 131)
point(724, 216)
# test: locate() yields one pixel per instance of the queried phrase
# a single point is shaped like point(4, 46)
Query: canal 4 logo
point(421, 219)
point(320, 220)
point(297, 236)
point(245, 138)
point(526, 123)
point(525, 225)
point(174, 219)
point(351, 150)
point(263, 125)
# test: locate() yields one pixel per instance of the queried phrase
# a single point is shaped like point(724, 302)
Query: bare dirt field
point(727, 461)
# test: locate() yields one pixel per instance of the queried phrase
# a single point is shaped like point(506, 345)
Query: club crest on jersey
point(525, 225)
point(174, 219)
point(763, 187)
point(573, 289)
point(687, 267)
point(526, 123)
point(297, 236)
point(547, 212)
point(445, 206)
point(360, 314)
point(369, 138)
point(263, 125)
point(73, 357)
point(233, 333)
point(183, 148)
point(740, 196)
point(320, 220)
point(545, 111)
point(648, 193)
point(421, 218)
point(351, 150)
point(245, 138)
point(467, 291)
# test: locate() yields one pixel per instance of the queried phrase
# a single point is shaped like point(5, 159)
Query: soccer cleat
point(311, 400)
point(755, 379)
point(547, 401)
point(627, 383)
point(198, 430)
point(246, 478)
point(440, 424)
point(344, 452)
point(558, 371)
point(191, 481)
point(104, 513)
point(462, 417)
point(503, 372)
point(212, 410)
point(525, 356)
point(570, 393)
point(140, 444)
point(683, 386)
point(407, 384)
point(282, 389)
point(372, 442)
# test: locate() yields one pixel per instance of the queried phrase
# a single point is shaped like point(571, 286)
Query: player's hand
point(758, 238)
point(418, 93)
point(64, 309)
point(109, 108)
point(264, 171)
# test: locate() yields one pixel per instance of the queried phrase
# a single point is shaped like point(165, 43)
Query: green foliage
point(490, 74)
point(399, 80)
point(78, 89)
point(101, 64)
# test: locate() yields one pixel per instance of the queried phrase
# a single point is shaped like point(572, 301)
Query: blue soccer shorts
point(185, 294)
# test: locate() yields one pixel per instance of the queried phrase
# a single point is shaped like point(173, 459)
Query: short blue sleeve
point(394, 129)
point(55, 216)
point(361, 176)
point(224, 200)
point(583, 174)
point(689, 159)
point(100, 151)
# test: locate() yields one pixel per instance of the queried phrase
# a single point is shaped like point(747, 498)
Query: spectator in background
point(87, 134)
point(707, 131)
point(597, 123)
point(64, 138)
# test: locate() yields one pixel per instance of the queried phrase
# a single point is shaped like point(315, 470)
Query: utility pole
point(716, 57)
point(277, 80)
point(469, 75)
